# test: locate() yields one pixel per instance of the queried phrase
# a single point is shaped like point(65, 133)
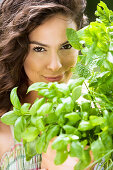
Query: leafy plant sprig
point(77, 117)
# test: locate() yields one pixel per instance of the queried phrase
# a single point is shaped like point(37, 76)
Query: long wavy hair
point(17, 19)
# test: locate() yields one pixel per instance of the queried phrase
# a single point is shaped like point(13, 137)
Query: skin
point(48, 160)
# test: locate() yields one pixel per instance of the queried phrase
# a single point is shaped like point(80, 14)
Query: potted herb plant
point(77, 117)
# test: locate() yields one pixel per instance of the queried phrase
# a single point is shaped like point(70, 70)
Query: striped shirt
point(15, 159)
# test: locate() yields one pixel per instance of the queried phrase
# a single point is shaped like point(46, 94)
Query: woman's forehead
point(53, 28)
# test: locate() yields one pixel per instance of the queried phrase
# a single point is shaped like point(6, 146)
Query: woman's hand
point(48, 160)
point(49, 156)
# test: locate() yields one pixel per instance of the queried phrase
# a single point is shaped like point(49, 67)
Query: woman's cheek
point(69, 62)
point(71, 58)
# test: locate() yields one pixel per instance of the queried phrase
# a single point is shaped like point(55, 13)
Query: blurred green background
point(92, 5)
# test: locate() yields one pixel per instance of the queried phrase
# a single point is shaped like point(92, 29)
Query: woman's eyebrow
point(38, 43)
point(65, 42)
point(45, 45)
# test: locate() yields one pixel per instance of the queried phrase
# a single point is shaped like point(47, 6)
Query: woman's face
point(50, 55)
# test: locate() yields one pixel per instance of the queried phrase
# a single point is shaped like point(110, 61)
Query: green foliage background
point(92, 5)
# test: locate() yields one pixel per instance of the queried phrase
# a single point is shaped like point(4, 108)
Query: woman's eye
point(67, 46)
point(39, 49)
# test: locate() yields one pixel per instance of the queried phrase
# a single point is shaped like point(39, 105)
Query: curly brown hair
point(17, 19)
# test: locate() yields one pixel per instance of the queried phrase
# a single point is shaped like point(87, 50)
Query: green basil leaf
point(50, 118)
point(73, 117)
point(84, 142)
point(51, 133)
point(17, 111)
point(95, 120)
point(98, 149)
point(85, 125)
point(61, 156)
point(83, 163)
point(37, 86)
point(47, 93)
point(40, 144)
point(73, 38)
point(85, 116)
point(69, 104)
point(52, 85)
point(60, 109)
point(40, 123)
point(30, 133)
point(85, 106)
point(75, 82)
point(76, 93)
point(79, 165)
point(25, 108)
point(77, 133)
point(33, 120)
point(106, 140)
point(69, 129)
point(9, 118)
point(60, 143)
point(87, 96)
point(63, 89)
point(73, 137)
point(14, 98)
point(45, 109)
point(19, 127)
point(61, 120)
point(30, 149)
point(36, 106)
point(76, 149)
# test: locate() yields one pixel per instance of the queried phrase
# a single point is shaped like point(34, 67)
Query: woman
point(34, 48)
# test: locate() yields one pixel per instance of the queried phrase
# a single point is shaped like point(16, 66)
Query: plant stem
point(91, 96)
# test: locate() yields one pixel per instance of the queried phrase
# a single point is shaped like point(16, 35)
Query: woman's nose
point(54, 63)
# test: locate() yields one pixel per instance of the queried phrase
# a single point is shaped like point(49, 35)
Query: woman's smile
point(54, 78)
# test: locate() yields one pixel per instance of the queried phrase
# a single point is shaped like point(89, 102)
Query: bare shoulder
point(6, 138)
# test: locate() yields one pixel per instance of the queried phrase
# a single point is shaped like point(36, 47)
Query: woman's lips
point(53, 79)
